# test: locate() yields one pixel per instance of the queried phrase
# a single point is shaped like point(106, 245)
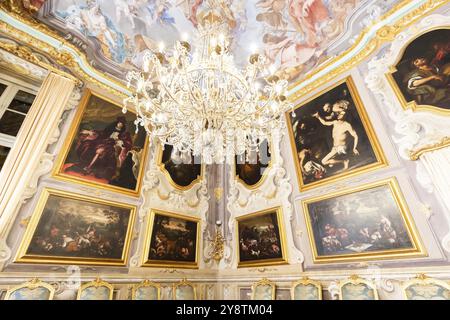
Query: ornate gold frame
point(356, 280)
point(146, 262)
point(365, 121)
point(306, 281)
point(22, 257)
point(264, 282)
point(417, 251)
point(32, 284)
point(422, 279)
point(183, 282)
point(69, 140)
point(144, 284)
point(162, 167)
point(263, 177)
point(398, 93)
point(267, 262)
point(96, 283)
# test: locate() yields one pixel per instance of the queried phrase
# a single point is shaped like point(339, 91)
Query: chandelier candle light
point(201, 103)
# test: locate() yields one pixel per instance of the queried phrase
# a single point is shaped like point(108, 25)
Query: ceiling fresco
point(296, 35)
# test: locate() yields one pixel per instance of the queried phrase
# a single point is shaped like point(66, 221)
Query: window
point(16, 99)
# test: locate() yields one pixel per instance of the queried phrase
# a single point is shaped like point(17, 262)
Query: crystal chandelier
point(201, 103)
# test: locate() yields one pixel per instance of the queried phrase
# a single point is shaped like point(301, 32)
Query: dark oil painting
point(173, 239)
point(423, 73)
point(330, 138)
point(250, 167)
point(357, 223)
point(183, 168)
point(259, 237)
point(106, 148)
point(73, 228)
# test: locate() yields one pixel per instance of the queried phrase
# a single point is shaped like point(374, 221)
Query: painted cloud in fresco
point(294, 34)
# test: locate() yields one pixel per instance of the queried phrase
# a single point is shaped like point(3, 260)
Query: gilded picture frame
point(405, 220)
point(169, 178)
point(96, 284)
point(265, 296)
point(357, 282)
point(69, 141)
point(306, 282)
point(183, 283)
point(22, 255)
point(283, 259)
point(31, 285)
point(145, 284)
point(148, 262)
point(374, 144)
point(412, 105)
point(426, 285)
point(263, 176)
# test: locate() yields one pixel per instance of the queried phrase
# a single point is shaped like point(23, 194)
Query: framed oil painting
point(368, 222)
point(69, 228)
point(425, 288)
point(182, 170)
point(421, 76)
point(332, 138)
point(250, 169)
point(102, 148)
point(172, 240)
point(261, 239)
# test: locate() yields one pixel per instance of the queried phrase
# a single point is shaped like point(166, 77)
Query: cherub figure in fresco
point(306, 16)
point(273, 14)
point(126, 9)
point(291, 54)
point(339, 11)
point(341, 129)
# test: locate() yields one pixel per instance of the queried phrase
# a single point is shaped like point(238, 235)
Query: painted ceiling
point(296, 35)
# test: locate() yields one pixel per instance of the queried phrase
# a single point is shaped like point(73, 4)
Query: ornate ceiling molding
point(17, 22)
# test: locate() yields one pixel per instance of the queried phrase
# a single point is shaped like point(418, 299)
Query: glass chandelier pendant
point(201, 103)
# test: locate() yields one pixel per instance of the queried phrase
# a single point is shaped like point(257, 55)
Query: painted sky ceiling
point(296, 35)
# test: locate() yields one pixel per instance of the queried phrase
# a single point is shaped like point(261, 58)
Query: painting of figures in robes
point(422, 76)
point(103, 148)
point(69, 228)
point(366, 222)
point(332, 138)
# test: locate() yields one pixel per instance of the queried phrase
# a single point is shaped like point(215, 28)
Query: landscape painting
point(332, 138)
point(261, 238)
point(423, 73)
point(103, 148)
point(367, 222)
point(68, 228)
point(172, 240)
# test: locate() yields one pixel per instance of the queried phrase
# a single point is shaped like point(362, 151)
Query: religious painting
point(182, 170)
point(250, 168)
point(368, 222)
point(421, 78)
point(261, 239)
point(103, 148)
point(332, 138)
point(68, 228)
point(172, 240)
